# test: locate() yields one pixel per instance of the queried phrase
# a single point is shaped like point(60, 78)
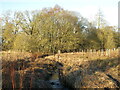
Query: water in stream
point(54, 81)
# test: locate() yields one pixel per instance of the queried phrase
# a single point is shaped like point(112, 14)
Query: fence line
point(106, 52)
point(90, 52)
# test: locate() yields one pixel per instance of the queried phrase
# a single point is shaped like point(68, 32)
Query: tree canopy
point(53, 29)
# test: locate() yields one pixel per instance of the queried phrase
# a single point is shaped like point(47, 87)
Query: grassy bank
point(89, 69)
point(76, 70)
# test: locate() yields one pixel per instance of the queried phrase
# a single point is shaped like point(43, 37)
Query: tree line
point(53, 29)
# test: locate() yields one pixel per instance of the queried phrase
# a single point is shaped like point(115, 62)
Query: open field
point(74, 70)
point(89, 70)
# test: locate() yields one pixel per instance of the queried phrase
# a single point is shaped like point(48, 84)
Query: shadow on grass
point(101, 65)
point(86, 73)
point(23, 73)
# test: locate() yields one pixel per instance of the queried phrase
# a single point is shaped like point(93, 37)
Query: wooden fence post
point(91, 51)
point(82, 52)
point(59, 54)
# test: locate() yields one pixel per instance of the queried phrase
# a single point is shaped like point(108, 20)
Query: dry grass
point(80, 69)
point(88, 69)
point(18, 71)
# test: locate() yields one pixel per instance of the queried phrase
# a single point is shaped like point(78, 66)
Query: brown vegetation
point(76, 70)
point(89, 69)
point(19, 71)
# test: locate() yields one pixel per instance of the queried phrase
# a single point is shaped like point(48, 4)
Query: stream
point(54, 81)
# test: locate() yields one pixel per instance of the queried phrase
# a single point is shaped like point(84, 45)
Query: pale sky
point(87, 8)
